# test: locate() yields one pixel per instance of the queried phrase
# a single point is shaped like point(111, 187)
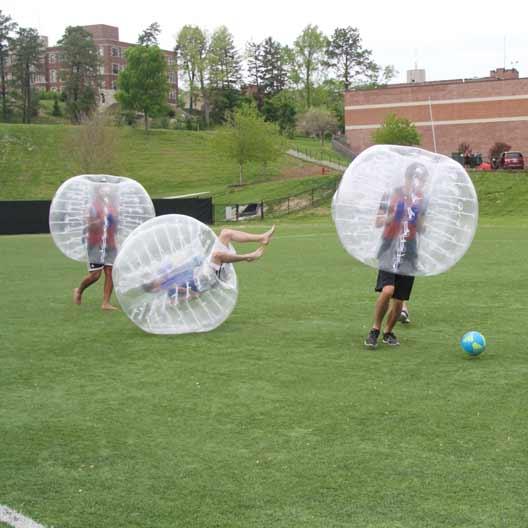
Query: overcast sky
point(452, 39)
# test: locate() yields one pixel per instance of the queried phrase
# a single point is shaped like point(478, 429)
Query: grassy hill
point(34, 160)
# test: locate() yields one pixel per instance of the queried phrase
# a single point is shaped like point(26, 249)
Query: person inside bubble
point(401, 214)
point(100, 244)
point(188, 278)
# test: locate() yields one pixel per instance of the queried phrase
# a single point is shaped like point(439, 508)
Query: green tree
point(281, 109)
point(396, 131)
point(247, 137)
point(7, 26)
point(143, 85)
point(56, 112)
point(276, 60)
point(80, 72)
point(26, 49)
point(254, 63)
point(347, 57)
point(224, 61)
point(309, 50)
point(317, 122)
point(150, 35)
point(191, 46)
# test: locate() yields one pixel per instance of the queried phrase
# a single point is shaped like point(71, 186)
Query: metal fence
point(276, 207)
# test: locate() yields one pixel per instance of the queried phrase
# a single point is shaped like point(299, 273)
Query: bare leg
point(232, 235)
point(108, 288)
point(222, 257)
point(90, 279)
point(394, 314)
point(382, 305)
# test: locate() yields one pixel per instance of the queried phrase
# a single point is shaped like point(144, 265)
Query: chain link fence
point(276, 207)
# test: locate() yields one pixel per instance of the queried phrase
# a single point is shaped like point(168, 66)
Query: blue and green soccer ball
point(473, 343)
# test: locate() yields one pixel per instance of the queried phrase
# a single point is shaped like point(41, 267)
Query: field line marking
point(16, 520)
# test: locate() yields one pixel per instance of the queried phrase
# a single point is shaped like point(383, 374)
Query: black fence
point(276, 207)
point(29, 217)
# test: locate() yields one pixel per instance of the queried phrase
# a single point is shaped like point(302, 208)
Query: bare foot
point(76, 296)
point(108, 306)
point(250, 257)
point(266, 237)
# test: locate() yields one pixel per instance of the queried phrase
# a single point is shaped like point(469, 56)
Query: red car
point(511, 160)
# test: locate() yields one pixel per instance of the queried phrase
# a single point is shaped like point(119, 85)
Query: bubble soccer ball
point(473, 343)
point(164, 280)
point(91, 215)
point(405, 210)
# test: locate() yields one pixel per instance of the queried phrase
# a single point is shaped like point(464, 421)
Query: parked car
point(511, 160)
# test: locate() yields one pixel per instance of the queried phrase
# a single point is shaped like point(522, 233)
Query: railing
point(276, 207)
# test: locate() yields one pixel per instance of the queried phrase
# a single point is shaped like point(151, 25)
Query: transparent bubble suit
point(405, 210)
point(91, 215)
point(164, 281)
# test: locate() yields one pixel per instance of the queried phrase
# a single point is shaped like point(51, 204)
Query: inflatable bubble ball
point(164, 280)
point(405, 210)
point(91, 215)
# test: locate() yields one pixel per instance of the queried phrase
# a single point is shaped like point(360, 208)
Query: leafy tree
point(346, 56)
point(150, 35)
point(309, 55)
point(281, 109)
point(497, 149)
point(27, 49)
point(80, 72)
point(224, 61)
point(317, 122)
point(143, 85)
point(275, 60)
point(7, 26)
point(247, 137)
point(56, 108)
point(396, 131)
point(378, 76)
point(191, 46)
point(329, 94)
point(223, 102)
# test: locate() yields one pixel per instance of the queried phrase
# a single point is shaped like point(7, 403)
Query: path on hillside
point(329, 164)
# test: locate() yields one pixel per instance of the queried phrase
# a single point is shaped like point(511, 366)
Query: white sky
point(449, 39)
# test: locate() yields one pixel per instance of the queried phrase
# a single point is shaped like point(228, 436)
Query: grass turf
point(279, 417)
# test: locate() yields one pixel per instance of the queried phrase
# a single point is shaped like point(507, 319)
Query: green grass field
point(278, 418)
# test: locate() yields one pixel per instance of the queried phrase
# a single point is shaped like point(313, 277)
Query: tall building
point(447, 113)
point(112, 54)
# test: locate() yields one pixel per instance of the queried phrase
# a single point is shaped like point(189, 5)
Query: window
point(53, 76)
point(101, 51)
point(101, 69)
point(116, 52)
point(114, 85)
point(115, 69)
point(52, 58)
point(172, 77)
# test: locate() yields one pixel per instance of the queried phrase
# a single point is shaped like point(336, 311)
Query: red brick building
point(446, 113)
point(112, 56)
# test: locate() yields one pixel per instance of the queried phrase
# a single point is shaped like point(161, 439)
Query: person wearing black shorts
point(401, 216)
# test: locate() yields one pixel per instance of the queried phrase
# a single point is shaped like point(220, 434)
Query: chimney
point(501, 74)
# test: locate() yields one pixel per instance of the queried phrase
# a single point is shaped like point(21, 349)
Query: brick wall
point(478, 112)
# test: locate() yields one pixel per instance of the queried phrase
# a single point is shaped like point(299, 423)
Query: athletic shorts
point(402, 284)
point(94, 255)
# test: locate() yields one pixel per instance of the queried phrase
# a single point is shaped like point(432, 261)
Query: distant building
point(478, 111)
point(112, 54)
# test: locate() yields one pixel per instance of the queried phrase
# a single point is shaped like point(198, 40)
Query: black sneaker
point(390, 339)
point(404, 317)
point(372, 339)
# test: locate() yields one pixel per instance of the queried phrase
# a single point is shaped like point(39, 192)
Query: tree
point(26, 49)
point(149, 36)
point(247, 137)
point(80, 72)
point(56, 112)
point(275, 60)
point(396, 131)
point(224, 61)
point(281, 109)
point(7, 26)
point(317, 122)
point(254, 63)
point(346, 56)
point(309, 54)
point(143, 85)
point(497, 149)
point(191, 46)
